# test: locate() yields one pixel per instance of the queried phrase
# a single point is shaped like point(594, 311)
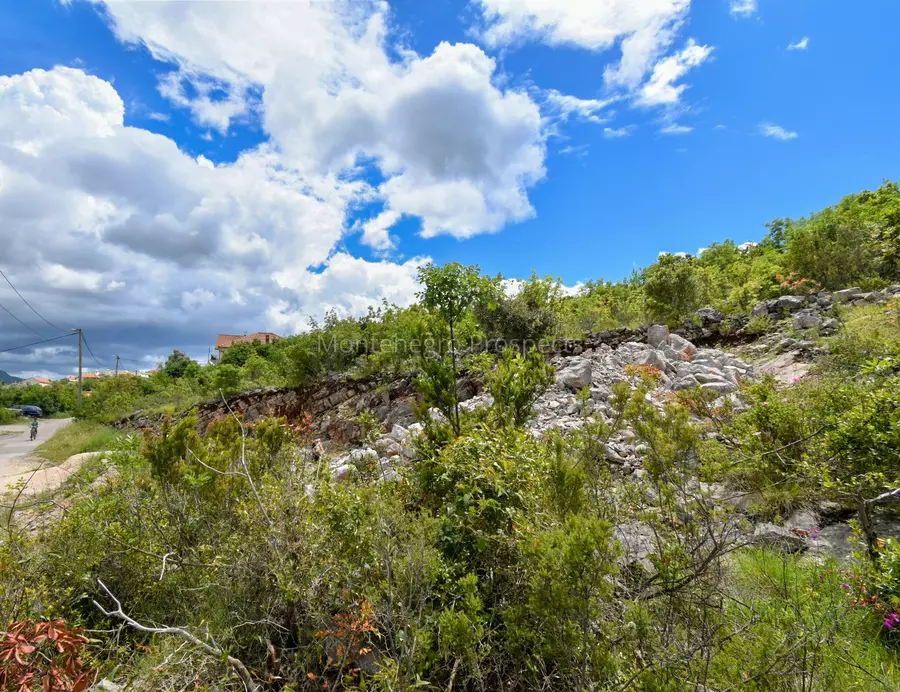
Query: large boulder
point(846, 295)
point(791, 303)
point(685, 348)
point(780, 539)
point(577, 375)
point(654, 359)
point(710, 315)
point(657, 335)
point(806, 319)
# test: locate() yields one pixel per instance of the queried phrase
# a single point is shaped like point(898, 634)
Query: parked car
point(28, 410)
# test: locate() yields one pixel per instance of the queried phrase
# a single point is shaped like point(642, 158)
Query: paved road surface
point(15, 449)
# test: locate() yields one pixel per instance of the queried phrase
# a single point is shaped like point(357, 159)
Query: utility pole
point(79, 366)
point(117, 366)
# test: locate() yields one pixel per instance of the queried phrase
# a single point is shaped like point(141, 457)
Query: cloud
point(212, 103)
point(376, 230)
point(802, 44)
point(743, 8)
point(661, 89)
point(642, 30)
point(675, 129)
point(453, 148)
point(618, 132)
point(347, 285)
point(776, 131)
point(115, 230)
point(564, 106)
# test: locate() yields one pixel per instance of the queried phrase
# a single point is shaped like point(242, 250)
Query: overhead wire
point(90, 352)
point(27, 303)
point(34, 331)
point(35, 343)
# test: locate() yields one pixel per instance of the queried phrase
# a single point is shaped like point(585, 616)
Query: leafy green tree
point(529, 316)
point(179, 365)
point(449, 292)
point(227, 378)
point(672, 288)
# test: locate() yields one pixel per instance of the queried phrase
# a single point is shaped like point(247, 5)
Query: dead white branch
point(118, 613)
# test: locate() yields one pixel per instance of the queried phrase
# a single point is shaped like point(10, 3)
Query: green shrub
point(516, 383)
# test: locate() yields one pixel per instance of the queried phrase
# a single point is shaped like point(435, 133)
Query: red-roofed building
point(226, 341)
point(33, 382)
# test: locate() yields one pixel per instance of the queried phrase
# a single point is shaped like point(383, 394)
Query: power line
point(35, 343)
point(19, 321)
point(27, 303)
point(87, 346)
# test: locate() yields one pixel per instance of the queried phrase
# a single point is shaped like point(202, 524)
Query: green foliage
point(526, 318)
point(76, 438)
point(671, 288)
point(59, 397)
point(179, 365)
point(516, 383)
point(7, 417)
point(556, 627)
point(448, 292)
point(227, 378)
point(760, 324)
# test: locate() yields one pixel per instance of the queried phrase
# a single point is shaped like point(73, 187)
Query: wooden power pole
point(117, 366)
point(79, 365)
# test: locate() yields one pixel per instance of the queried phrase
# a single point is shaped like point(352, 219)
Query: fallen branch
point(118, 613)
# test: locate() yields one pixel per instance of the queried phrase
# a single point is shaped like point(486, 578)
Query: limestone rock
point(684, 347)
point(846, 295)
point(791, 303)
point(779, 538)
point(806, 319)
point(710, 315)
point(577, 375)
point(657, 335)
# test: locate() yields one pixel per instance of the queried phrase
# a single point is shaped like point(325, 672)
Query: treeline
point(855, 242)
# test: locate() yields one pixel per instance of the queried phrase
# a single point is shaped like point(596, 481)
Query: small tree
point(516, 383)
point(449, 292)
point(226, 378)
point(672, 288)
point(179, 365)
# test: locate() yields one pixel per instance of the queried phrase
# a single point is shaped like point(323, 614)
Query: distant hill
point(6, 378)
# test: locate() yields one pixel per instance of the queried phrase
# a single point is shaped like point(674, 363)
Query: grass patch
point(78, 437)
point(788, 610)
point(880, 323)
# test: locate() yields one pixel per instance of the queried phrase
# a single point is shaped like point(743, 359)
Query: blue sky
point(234, 166)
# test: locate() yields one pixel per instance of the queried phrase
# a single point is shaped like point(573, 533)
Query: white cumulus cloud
point(662, 88)
point(116, 230)
point(743, 8)
point(777, 132)
point(802, 44)
point(455, 149)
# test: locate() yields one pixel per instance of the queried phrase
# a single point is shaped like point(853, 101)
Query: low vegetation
point(77, 437)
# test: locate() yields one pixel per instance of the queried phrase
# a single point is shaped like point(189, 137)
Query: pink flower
point(891, 621)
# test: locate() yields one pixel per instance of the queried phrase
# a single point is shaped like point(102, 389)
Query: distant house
point(33, 382)
point(226, 341)
point(84, 376)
